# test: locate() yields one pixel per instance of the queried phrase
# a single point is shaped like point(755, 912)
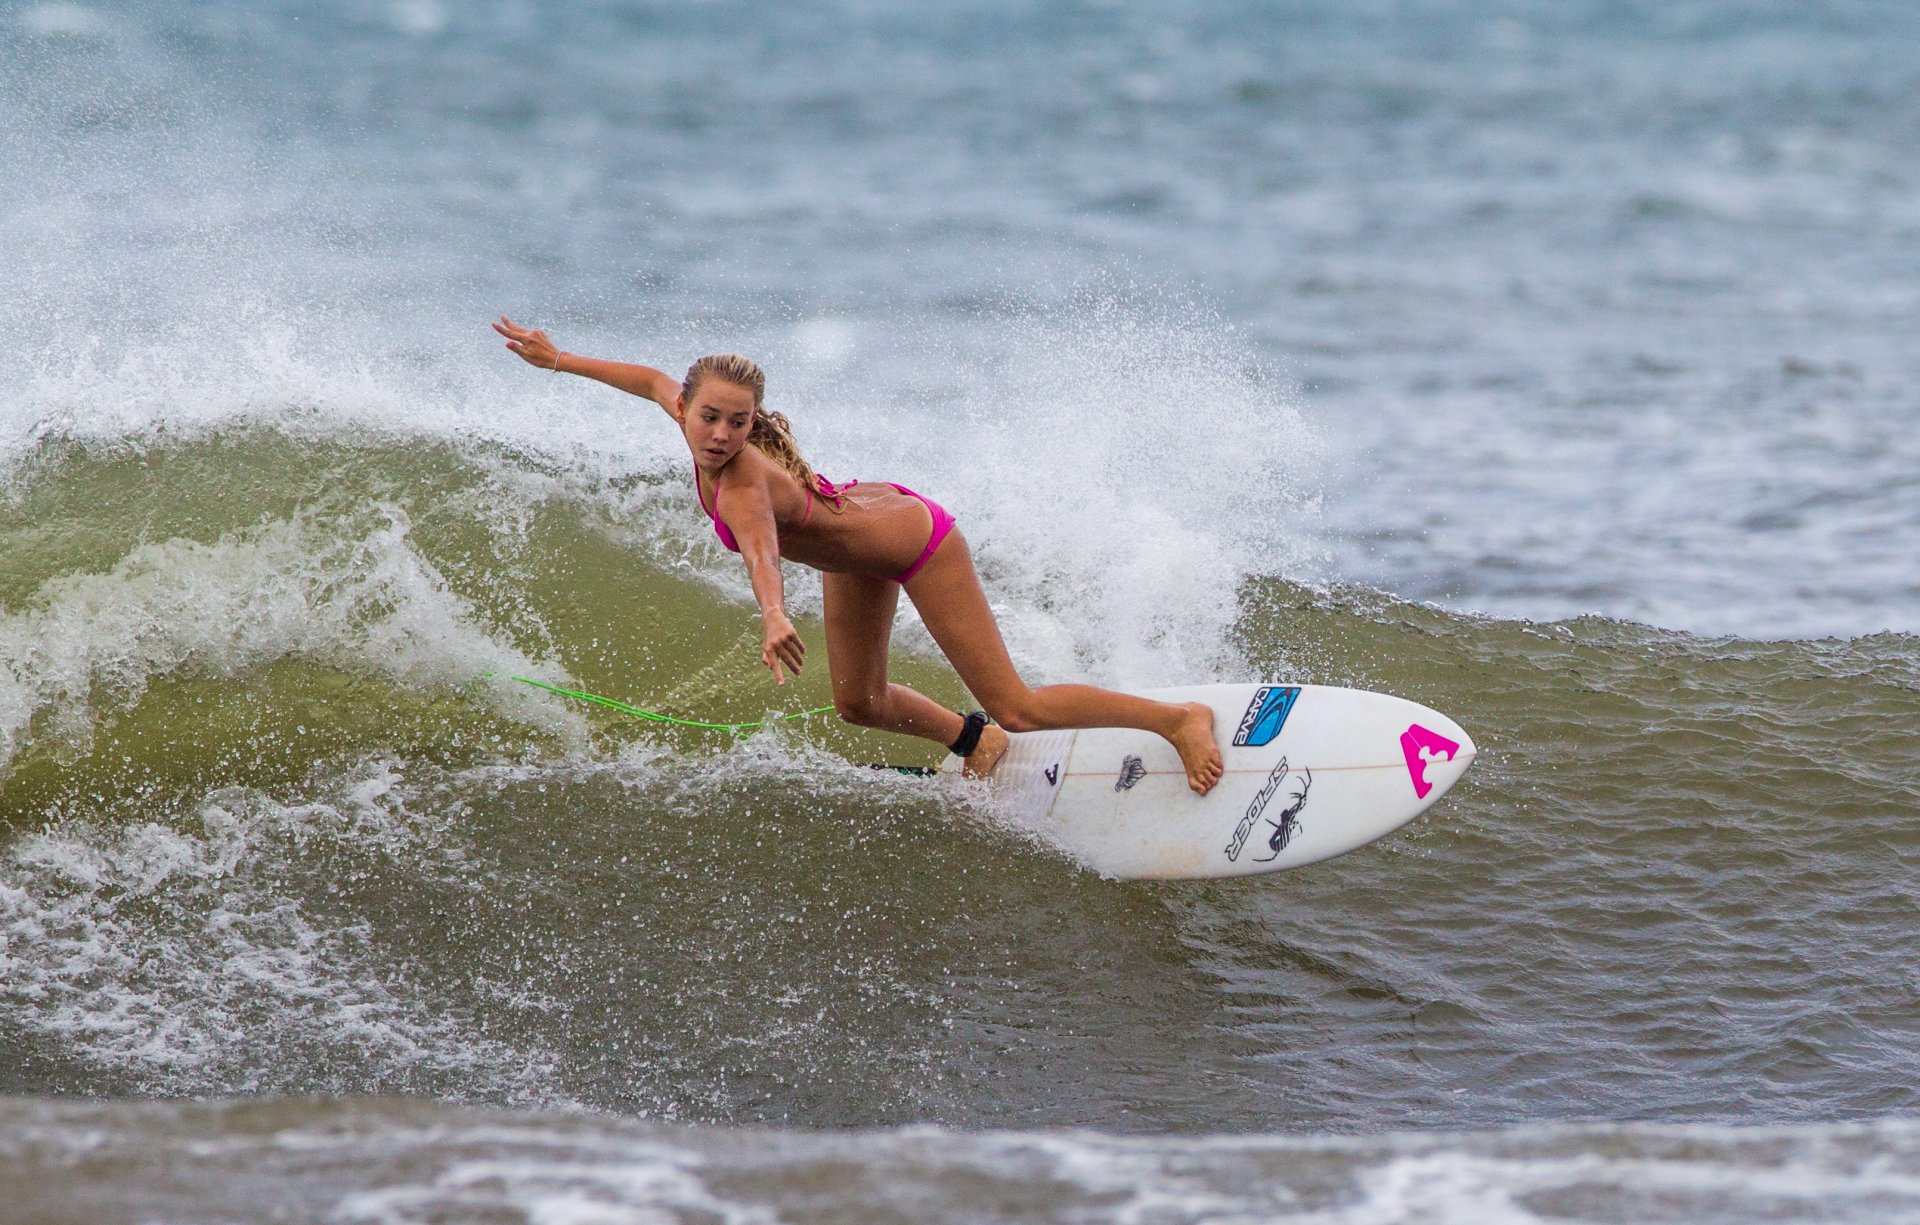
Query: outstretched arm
point(747, 509)
point(536, 349)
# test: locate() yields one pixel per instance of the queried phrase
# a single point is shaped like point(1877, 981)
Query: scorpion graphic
point(1288, 823)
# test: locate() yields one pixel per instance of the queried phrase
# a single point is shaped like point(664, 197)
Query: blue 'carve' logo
point(1266, 715)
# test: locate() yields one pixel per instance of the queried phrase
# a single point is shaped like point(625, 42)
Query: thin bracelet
point(556, 361)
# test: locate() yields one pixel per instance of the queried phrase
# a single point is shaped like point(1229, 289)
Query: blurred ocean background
point(1547, 363)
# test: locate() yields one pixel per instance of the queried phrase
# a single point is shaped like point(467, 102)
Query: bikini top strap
point(830, 491)
point(823, 488)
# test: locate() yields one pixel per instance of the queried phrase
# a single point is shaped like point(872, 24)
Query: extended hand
point(530, 343)
point(782, 645)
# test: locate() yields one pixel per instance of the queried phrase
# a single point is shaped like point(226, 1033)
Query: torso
point(878, 530)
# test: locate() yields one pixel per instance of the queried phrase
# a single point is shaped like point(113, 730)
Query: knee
point(1014, 715)
point(862, 710)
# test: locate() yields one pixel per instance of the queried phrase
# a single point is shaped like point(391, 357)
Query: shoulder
point(747, 479)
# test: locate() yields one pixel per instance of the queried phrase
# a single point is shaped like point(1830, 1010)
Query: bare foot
point(1198, 751)
point(987, 754)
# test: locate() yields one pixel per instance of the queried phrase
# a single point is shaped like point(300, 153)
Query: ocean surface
point(1550, 364)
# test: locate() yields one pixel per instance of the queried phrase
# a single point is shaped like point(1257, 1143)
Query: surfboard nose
point(1460, 736)
point(1437, 752)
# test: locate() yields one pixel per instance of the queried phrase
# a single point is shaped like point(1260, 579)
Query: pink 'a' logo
point(1421, 747)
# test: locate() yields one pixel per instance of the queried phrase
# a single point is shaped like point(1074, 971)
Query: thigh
point(858, 610)
point(950, 600)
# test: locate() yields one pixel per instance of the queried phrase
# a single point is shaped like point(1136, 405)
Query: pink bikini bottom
point(942, 524)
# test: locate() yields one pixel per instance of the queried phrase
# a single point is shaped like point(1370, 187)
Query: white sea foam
point(573, 1170)
point(1118, 458)
point(640, 1186)
point(1498, 306)
point(1520, 1176)
point(175, 955)
point(286, 374)
point(361, 601)
point(1118, 468)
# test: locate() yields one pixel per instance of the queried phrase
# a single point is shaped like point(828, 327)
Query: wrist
point(559, 357)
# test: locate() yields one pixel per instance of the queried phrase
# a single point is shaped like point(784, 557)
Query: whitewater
point(1547, 365)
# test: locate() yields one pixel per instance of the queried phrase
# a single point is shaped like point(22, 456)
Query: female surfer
point(870, 541)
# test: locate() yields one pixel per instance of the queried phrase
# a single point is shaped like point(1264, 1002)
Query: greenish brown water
point(1233, 334)
point(271, 828)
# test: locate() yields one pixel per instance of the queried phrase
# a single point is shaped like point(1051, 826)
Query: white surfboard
point(1311, 772)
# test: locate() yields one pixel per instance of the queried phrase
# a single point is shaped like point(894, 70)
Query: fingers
point(508, 328)
point(529, 344)
point(788, 650)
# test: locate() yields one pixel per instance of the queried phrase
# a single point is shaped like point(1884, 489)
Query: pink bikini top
point(823, 488)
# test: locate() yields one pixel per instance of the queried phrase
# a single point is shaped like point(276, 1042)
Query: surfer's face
point(718, 420)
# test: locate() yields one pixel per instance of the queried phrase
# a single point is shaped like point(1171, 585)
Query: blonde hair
point(771, 432)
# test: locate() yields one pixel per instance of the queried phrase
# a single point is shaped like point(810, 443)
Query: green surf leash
point(654, 716)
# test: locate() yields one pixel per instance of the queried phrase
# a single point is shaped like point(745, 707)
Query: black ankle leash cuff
point(969, 735)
